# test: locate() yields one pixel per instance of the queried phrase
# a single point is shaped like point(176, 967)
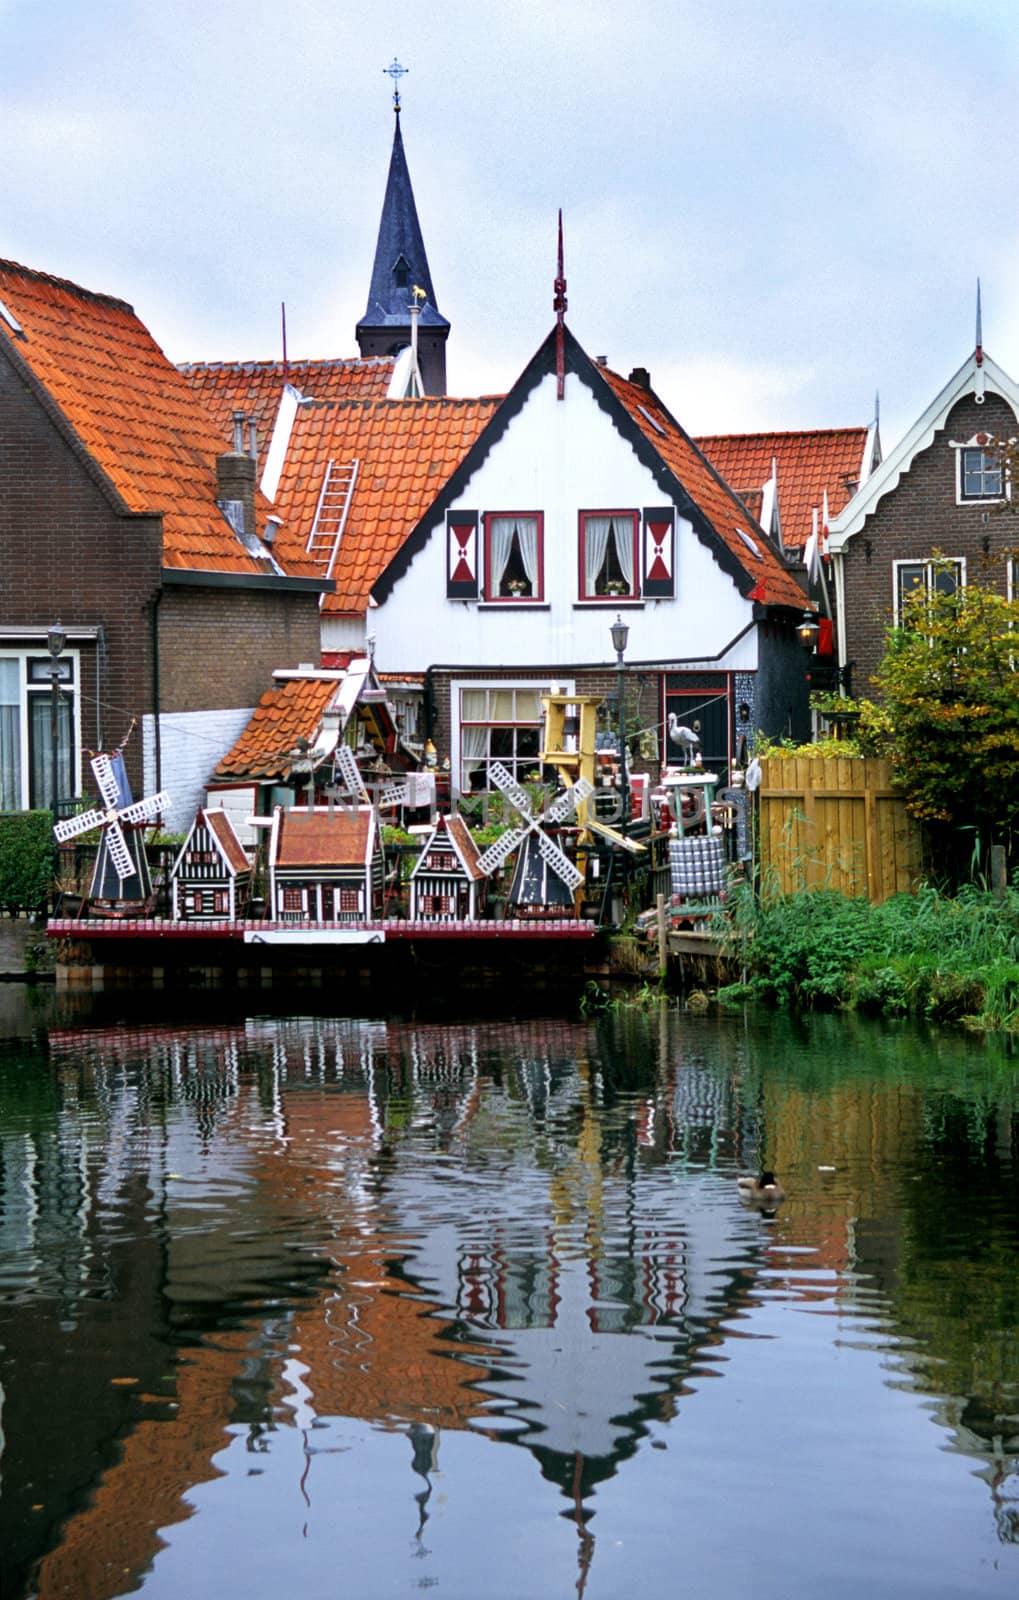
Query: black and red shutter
point(462, 555)
point(659, 553)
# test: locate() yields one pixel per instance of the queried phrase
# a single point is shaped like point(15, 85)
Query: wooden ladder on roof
point(332, 511)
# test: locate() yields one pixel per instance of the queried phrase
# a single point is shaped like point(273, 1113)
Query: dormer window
point(608, 545)
point(401, 272)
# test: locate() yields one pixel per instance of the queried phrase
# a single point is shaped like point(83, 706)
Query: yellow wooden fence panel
point(835, 824)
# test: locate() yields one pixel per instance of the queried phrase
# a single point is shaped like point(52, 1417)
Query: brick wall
point(915, 519)
point(218, 647)
point(66, 551)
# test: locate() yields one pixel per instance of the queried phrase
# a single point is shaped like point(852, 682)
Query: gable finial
point(877, 408)
point(396, 72)
point(980, 331)
point(559, 307)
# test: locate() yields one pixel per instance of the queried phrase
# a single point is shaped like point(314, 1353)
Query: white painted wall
point(560, 457)
point(191, 742)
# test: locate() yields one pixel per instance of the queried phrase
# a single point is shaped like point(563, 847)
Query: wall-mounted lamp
point(620, 633)
point(868, 550)
point(807, 631)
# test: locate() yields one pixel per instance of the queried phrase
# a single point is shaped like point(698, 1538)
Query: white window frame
point(456, 689)
point(984, 443)
point(928, 564)
point(27, 691)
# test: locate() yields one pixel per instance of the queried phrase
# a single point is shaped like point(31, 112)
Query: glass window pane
point(527, 742)
point(10, 682)
point(501, 705)
point(41, 751)
point(528, 706)
point(473, 706)
point(501, 745)
point(946, 580)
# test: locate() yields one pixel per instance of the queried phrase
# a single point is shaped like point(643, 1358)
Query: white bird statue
point(680, 734)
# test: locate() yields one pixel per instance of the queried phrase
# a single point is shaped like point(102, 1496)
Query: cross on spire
point(396, 72)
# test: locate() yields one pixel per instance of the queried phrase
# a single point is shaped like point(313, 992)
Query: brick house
point(940, 491)
point(122, 516)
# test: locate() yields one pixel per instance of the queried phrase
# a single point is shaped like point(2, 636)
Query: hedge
point(26, 860)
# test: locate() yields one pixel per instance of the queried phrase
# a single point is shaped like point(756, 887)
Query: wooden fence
point(835, 824)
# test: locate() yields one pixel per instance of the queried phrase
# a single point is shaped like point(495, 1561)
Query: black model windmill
point(545, 878)
point(121, 871)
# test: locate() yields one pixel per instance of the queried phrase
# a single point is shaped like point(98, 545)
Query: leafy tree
point(951, 692)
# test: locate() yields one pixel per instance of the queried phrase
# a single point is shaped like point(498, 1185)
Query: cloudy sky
point(777, 206)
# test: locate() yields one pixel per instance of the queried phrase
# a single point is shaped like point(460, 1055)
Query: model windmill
point(121, 871)
point(545, 877)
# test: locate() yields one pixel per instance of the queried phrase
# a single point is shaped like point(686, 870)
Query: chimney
point(253, 440)
point(235, 482)
point(641, 376)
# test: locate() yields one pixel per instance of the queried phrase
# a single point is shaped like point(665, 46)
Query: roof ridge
point(268, 363)
point(784, 433)
point(96, 295)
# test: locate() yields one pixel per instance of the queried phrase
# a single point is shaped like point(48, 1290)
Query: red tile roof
point(254, 387)
point(289, 711)
point(325, 837)
point(406, 450)
point(809, 462)
point(773, 583)
point(130, 409)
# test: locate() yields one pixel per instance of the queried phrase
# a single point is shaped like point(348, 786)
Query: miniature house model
point(325, 864)
point(447, 884)
point(211, 876)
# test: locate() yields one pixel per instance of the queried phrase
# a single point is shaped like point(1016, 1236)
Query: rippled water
point(359, 1307)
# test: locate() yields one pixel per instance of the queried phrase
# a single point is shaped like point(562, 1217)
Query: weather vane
point(396, 72)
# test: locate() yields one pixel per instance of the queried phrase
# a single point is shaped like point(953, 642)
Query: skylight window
point(751, 546)
point(649, 418)
point(10, 319)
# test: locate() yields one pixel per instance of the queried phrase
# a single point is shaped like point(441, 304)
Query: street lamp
point(56, 638)
point(620, 633)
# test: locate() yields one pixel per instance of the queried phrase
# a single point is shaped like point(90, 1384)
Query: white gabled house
point(564, 512)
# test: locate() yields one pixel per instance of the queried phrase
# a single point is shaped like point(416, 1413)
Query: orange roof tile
point(405, 449)
point(325, 837)
point(809, 462)
point(131, 410)
point(289, 711)
point(254, 387)
point(728, 516)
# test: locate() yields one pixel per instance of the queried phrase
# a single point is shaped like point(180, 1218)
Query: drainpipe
point(157, 597)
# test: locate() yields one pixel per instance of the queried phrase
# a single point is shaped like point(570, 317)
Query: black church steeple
point(400, 274)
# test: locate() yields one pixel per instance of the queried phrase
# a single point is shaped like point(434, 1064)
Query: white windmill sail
point(529, 828)
point(111, 780)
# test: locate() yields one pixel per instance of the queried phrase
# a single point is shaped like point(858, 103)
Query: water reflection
point(261, 1249)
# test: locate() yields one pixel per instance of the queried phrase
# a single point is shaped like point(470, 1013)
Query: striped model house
point(211, 877)
point(446, 884)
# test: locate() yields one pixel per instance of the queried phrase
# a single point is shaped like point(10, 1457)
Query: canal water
point(343, 1307)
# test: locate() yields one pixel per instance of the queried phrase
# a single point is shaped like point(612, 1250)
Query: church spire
point(400, 274)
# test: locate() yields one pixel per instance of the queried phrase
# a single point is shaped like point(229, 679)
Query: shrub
point(26, 860)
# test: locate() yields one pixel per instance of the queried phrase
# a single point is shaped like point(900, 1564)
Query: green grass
point(929, 954)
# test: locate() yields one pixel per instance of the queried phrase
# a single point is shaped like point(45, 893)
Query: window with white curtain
point(608, 546)
point(514, 555)
point(26, 729)
point(498, 723)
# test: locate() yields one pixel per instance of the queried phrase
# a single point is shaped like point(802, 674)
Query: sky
point(779, 207)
